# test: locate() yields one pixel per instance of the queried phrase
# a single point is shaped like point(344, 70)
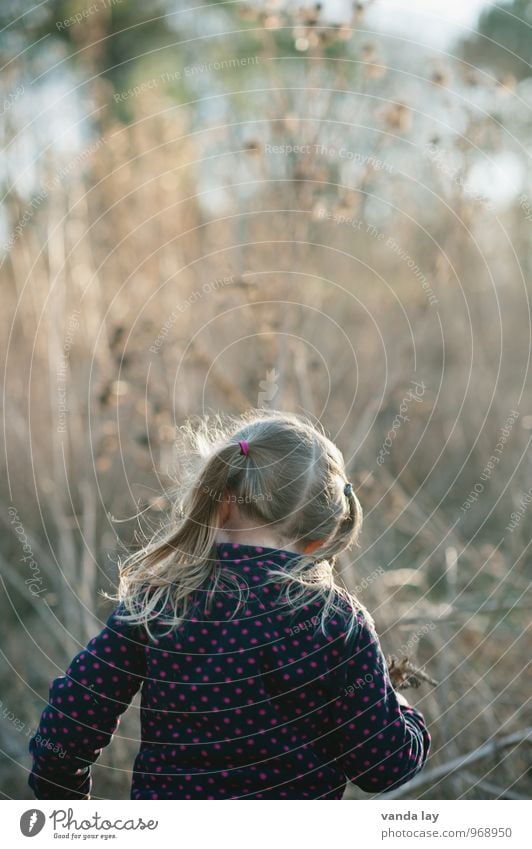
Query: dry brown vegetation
point(145, 296)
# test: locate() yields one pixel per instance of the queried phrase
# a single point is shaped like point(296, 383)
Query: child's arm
point(379, 739)
point(84, 709)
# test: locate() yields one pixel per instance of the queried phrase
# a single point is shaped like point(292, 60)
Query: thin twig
point(503, 792)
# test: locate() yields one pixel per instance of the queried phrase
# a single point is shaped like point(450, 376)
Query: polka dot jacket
point(257, 705)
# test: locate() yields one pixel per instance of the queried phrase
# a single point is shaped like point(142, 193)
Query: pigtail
point(158, 581)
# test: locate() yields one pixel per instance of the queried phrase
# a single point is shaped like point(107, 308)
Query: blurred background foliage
point(246, 203)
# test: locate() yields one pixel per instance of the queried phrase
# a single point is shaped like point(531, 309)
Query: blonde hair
point(291, 480)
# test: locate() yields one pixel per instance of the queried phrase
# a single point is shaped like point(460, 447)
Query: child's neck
point(254, 536)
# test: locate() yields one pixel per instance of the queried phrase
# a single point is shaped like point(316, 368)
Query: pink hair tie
point(244, 447)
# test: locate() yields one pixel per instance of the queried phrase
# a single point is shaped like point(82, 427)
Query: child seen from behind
point(261, 677)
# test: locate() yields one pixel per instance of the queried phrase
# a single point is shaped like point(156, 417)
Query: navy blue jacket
point(259, 705)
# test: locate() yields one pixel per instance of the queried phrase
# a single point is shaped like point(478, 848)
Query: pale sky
point(434, 22)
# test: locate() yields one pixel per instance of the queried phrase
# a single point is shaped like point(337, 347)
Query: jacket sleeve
point(378, 743)
point(84, 708)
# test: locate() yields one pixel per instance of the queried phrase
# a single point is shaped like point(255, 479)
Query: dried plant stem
point(498, 792)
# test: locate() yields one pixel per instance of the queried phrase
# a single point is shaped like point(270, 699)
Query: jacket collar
point(239, 554)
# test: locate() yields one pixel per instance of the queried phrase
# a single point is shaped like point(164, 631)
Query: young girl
point(261, 677)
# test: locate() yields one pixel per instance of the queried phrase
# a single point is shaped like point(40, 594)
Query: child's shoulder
point(337, 618)
point(348, 619)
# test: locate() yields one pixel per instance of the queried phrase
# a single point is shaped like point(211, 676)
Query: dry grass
point(281, 278)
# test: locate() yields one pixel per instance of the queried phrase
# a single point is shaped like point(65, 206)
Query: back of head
point(285, 475)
